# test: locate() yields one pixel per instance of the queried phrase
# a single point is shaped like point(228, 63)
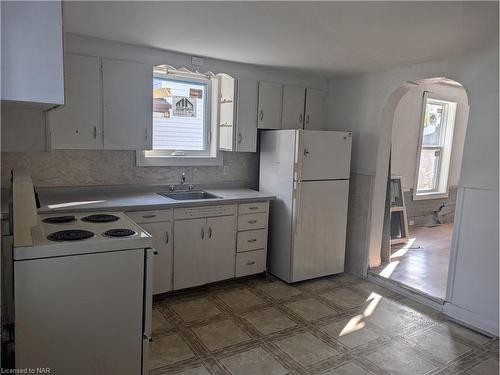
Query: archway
point(389, 121)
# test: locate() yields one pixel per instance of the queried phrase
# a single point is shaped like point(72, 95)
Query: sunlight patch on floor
point(389, 269)
point(404, 249)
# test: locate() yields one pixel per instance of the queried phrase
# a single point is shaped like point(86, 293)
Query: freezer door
point(320, 220)
point(323, 155)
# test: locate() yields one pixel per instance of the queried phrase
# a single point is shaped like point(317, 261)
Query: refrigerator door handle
point(297, 206)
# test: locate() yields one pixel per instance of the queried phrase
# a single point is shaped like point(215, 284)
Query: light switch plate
point(225, 170)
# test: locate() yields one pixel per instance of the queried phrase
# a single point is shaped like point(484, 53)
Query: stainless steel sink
point(189, 195)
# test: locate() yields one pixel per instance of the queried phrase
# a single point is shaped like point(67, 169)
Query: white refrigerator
point(308, 172)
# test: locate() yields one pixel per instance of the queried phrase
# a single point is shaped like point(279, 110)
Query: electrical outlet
point(225, 170)
point(411, 223)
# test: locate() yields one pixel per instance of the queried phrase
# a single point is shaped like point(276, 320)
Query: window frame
point(208, 157)
point(445, 148)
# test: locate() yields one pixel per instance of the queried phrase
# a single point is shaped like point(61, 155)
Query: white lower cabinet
point(202, 245)
point(220, 249)
point(189, 253)
point(250, 262)
point(204, 250)
point(158, 223)
point(163, 261)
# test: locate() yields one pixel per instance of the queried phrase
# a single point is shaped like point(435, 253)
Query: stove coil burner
point(70, 235)
point(59, 219)
point(119, 233)
point(100, 218)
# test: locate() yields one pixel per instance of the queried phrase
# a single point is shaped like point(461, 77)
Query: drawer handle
point(253, 208)
point(166, 237)
point(251, 263)
point(252, 221)
point(202, 233)
point(252, 240)
point(148, 216)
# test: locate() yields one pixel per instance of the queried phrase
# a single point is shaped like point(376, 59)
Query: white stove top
point(44, 247)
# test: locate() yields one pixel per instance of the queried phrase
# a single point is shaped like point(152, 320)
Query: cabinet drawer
point(250, 262)
point(150, 216)
point(252, 221)
point(252, 239)
point(204, 211)
point(253, 208)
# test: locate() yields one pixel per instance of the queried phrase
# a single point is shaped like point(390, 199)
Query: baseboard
point(471, 319)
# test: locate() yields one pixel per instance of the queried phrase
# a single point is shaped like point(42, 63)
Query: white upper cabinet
point(77, 124)
point(246, 115)
point(315, 110)
point(32, 53)
point(293, 107)
point(238, 114)
point(270, 103)
point(127, 105)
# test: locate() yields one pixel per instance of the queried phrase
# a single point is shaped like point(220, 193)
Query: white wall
point(356, 103)
point(406, 127)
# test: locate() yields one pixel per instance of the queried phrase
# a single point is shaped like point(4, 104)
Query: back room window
point(179, 116)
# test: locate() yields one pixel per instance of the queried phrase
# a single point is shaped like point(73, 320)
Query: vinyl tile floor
point(338, 325)
point(422, 263)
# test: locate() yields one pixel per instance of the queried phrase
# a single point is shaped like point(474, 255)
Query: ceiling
point(322, 37)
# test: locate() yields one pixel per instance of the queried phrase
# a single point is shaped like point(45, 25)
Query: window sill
point(177, 161)
point(426, 196)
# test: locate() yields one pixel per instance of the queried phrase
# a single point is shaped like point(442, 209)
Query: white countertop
point(126, 199)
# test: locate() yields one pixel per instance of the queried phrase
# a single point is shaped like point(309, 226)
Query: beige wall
point(406, 127)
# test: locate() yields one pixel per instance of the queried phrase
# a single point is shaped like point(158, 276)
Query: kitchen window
point(183, 131)
point(435, 146)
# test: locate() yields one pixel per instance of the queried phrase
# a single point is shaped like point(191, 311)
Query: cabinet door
point(246, 137)
point(315, 110)
point(270, 102)
point(220, 255)
point(294, 98)
point(127, 89)
point(77, 125)
point(189, 250)
point(32, 52)
point(163, 262)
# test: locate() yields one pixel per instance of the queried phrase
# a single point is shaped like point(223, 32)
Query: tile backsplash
point(84, 167)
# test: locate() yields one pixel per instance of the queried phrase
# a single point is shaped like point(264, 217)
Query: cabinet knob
point(239, 138)
point(307, 119)
point(300, 118)
point(95, 132)
point(202, 233)
point(261, 115)
point(166, 237)
point(209, 232)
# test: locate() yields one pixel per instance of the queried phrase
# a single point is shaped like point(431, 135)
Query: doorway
point(427, 140)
